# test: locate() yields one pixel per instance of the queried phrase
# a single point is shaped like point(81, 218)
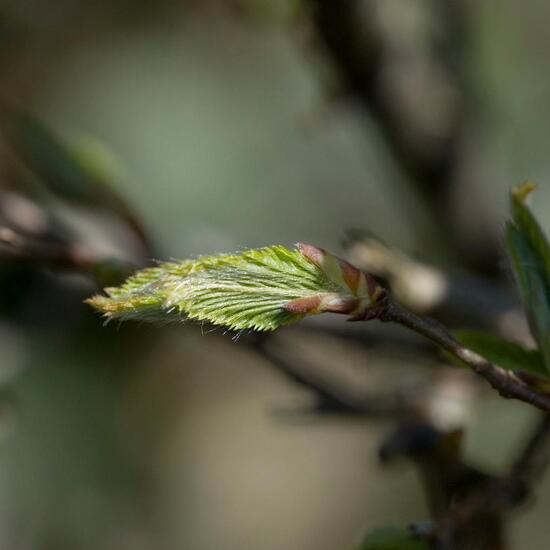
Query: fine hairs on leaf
point(258, 289)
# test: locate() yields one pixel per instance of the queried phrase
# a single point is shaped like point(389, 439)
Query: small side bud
point(314, 254)
point(304, 306)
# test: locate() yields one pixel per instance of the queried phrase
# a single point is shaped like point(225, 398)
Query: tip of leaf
point(101, 303)
point(522, 192)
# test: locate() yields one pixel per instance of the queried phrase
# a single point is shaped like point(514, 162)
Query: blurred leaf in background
point(530, 253)
point(391, 538)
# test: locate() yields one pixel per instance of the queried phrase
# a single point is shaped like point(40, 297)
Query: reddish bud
point(314, 254)
point(304, 305)
point(351, 275)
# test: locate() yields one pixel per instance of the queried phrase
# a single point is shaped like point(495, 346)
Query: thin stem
point(535, 456)
point(505, 492)
point(331, 397)
point(63, 254)
point(505, 382)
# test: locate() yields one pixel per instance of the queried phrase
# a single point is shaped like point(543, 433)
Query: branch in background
point(534, 458)
point(438, 456)
point(500, 495)
point(62, 255)
point(471, 510)
point(411, 86)
point(83, 175)
point(330, 396)
point(47, 175)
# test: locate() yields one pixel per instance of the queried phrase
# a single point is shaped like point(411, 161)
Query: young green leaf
point(530, 253)
point(501, 352)
point(258, 289)
point(528, 226)
point(391, 538)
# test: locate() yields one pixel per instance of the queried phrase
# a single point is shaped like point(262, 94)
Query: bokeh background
point(228, 124)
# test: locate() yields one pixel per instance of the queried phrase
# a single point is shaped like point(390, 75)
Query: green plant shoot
point(259, 289)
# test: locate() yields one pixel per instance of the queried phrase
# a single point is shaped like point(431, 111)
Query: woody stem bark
point(505, 382)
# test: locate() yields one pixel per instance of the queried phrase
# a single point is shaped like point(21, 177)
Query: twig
point(57, 254)
point(503, 493)
point(355, 43)
point(62, 255)
point(506, 383)
point(330, 397)
point(535, 456)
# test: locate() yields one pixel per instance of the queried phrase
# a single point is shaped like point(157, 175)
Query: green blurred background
point(223, 126)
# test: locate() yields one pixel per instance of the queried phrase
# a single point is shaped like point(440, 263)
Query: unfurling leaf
point(505, 354)
point(530, 253)
point(258, 289)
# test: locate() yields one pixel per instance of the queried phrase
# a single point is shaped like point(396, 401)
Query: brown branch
point(332, 398)
point(535, 456)
point(364, 53)
point(505, 382)
point(56, 254)
point(502, 494)
point(356, 44)
point(62, 255)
